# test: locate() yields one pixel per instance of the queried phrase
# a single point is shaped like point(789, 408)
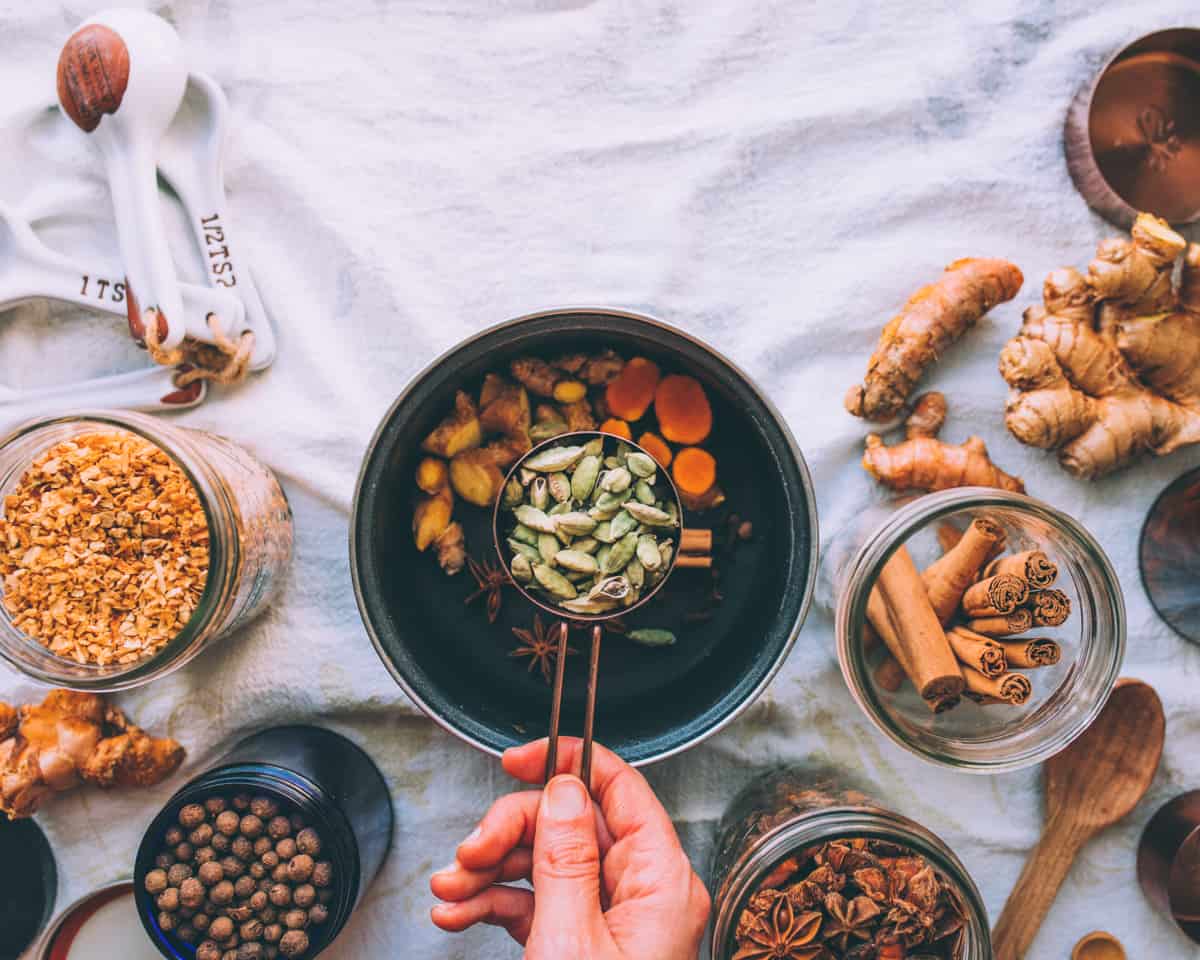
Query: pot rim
point(782, 425)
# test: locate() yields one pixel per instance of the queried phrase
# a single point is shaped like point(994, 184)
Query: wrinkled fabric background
point(774, 177)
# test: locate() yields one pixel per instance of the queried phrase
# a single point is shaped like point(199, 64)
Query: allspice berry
point(293, 943)
point(295, 919)
point(233, 867)
point(270, 859)
point(166, 922)
point(221, 895)
point(297, 822)
point(201, 920)
point(221, 929)
point(192, 893)
point(241, 848)
point(173, 837)
point(259, 901)
point(280, 895)
point(184, 852)
point(308, 841)
point(164, 860)
point(322, 875)
point(201, 835)
point(272, 932)
point(240, 914)
point(262, 845)
point(257, 870)
point(251, 930)
point(264, 807)
point(286, 848)
point(252, 826)
point(250, 951)
point(168, 900)
point(211, 873)
point(227, 823)
point(205, 855)
point(318, 913)
point(187, 933)
point(191, 816)
point(178, 874)
point(241, 802)
point(300, 868)
point(208, 950)
point(215, 805)
point(279, 827)
point(244, 886)
point(268, 914)
point(304, 895)
point(220, 843)
point(155, 882)
point(280, 873)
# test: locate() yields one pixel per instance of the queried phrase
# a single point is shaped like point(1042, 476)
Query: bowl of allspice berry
point(435, 588)
point(228, 874)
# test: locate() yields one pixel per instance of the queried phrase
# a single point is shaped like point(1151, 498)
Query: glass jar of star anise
point(806, 867)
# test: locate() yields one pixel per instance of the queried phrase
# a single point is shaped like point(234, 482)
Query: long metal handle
point(589, 718)
point(560, 668)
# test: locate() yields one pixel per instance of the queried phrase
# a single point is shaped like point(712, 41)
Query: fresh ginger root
point(1108, 368)
point(71, 738)
point(922, 462)
point(933, 318)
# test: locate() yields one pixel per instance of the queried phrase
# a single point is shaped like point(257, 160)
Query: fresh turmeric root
point(933, 318)
point(1108, 368)
point(71, 738)
point(922, 462)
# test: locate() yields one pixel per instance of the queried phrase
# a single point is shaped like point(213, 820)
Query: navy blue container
point(319, 774)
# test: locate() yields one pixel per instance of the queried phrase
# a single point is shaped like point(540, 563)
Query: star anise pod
point(491, 580)
point(873, 882)
point(782, 934)
point(540, 645)
point(849, 919)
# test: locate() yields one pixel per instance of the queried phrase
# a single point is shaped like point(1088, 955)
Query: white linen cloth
point(773, 177)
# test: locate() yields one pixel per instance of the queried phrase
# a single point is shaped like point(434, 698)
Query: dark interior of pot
point(652, 702)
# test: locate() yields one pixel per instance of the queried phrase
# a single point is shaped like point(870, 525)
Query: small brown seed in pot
point(262, 845)
point(241, 802)
point(192, 893)
point(308, 841)
point(318, 913)
point(211, 873)
point(241, 848)
point(228, 822)
point(270, 859)
point(251, 826)
point(322, 875)
point(293, 943)
point(295, 919)
point(221, 894)
point(259, 901)
point(178, 873)
point(270, 952)
point(268, 914)
point(187, 933)
point(233, 867)
point(229, 955)
point(191, 816)
point(214, 805)
point(168, 900)
point(164, 860)
point(304, 895)
point(201, 835)
point(286, 848)
point(173, 837)
point(184, 852)
point(280, 895)
point(186, 912)
point(279, 827)
point(280, 874)
point(250, 951)
point(205, 855)
point(240, 913)
point(251, 930)
point(208, 950)
point(298, 823)
point(221, 929)
point(201, 921)
point(264, 807)
point(257, 870)
point(220, 843)
point(155, 882)
point(300, 868)
point(166, 921)
point(244, 886)
point(272, 932)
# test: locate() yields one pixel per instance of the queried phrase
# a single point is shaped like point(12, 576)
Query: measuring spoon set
point(123, 82)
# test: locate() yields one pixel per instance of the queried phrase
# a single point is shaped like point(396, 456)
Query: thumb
point(566, 871)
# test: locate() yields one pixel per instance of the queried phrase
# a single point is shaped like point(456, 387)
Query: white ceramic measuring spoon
point(30, 270)
point(191, 160)
point(151, 390)
point(121, 78)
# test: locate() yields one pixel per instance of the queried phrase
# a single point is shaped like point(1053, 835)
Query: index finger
point(627, 801)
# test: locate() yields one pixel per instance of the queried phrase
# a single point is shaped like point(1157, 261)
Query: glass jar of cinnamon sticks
point(979, 629)
point(804, 860)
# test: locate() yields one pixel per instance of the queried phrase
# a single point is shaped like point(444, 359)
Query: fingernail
point(474, 835)
point(448, 869)
point(565, 798)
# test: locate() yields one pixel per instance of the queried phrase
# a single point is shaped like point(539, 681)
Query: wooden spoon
point(1093, 784)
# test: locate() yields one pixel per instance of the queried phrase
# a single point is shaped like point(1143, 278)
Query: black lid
point(28, 885)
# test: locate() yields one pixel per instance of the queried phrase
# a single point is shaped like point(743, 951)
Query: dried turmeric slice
point(617, 427)
point(630, 394)
point(695, 471)
point(683, 410)
point(657, 447)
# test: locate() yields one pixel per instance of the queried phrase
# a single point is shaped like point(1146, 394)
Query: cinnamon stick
point(889, 675)
point(1050, 608)
point(695, 540)
point(978, 652)
point(1031, 653)
point(920, 642)
point(1033, 565)
point(1007, 625)
point(1013, 688)
point(948, 536)
point(691, 561)
point(948, 579)
point(995, 596)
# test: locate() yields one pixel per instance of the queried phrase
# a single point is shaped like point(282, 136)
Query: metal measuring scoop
point(665, 489)
point(191, 159)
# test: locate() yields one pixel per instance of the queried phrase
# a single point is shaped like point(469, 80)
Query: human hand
point(610, 879)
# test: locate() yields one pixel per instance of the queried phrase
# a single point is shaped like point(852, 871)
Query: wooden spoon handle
point(1030, 900)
